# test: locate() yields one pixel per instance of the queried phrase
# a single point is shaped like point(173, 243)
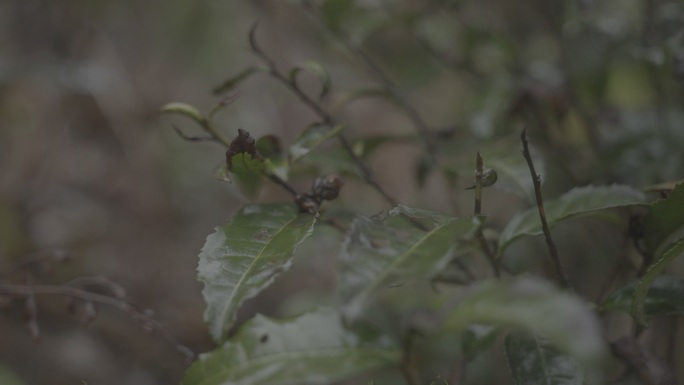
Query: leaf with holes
point(380, 251)
point(311, 349)
point(581, 201)
point(243, 257)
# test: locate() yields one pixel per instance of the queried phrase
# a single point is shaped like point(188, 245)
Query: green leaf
point(534, 305)
point(642, 288)
point(335, 11)
point(664, 219)
point(232, 82)
point(185, 110)
point(9, 377)
point(318, 70)
point(532, 361)
point(478, 338)
point(311, 137)
point(311, 349)
point(664, 297)
point(247, 173)
point(581, 201)
point(243, 257)
point(268, 147)
point(384, 250)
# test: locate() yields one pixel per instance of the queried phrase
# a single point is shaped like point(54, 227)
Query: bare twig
point(553, 252)
point(148, 323)
point(477, 211)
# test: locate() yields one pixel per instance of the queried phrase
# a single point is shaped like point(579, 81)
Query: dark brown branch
point(553, 252)
point(477, 211)
point(144, 318)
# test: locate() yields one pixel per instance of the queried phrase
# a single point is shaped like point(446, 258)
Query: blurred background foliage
point(88, 167)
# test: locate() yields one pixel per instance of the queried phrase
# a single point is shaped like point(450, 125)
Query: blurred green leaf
point(533, 362)
point(232, 82)
point(311, 137)
point(335, 11)
point(384, 250)
point(185, 110)
point(664, 219)
point(664, 297)
point(534, 305)
point(478, 338)
point(247, 173)
point(311, 349)
point(318, 70)
point(9, 377)
point(642, 288)
point(243, 257)
point(580, 201)
point(362, 93)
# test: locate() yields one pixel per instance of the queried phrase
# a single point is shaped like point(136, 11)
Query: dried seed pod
point(327, 187)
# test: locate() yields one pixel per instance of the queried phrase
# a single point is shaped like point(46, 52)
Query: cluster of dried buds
point(323, 188)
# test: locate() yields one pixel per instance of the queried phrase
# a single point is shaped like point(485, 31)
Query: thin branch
point(553, 252)
point(146, 320)
point(477, 211)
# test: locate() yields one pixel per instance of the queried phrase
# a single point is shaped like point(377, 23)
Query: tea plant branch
point(148, 323)
point(423, 130)
point(553, 251)
point(194, 138)
point(477, 211)
point(327, 118)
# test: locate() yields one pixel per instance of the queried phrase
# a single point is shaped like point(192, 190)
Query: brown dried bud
point(327, 187)
point(242, 143)
point(307, 203)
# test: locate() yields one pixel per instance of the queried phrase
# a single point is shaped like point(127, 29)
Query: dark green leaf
point(581, 201)
point(232, 82)
point(185, 110)
point(243, 257)
point(381, 251)
point(269, 148)
point(642, 288)
point(664, 219)
point(533, 362)
point(665, 297)
point(311, 137)
point(247, 173)
point(534, 305)
point(318, 70)
point(311, 349)
point(478, 338)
